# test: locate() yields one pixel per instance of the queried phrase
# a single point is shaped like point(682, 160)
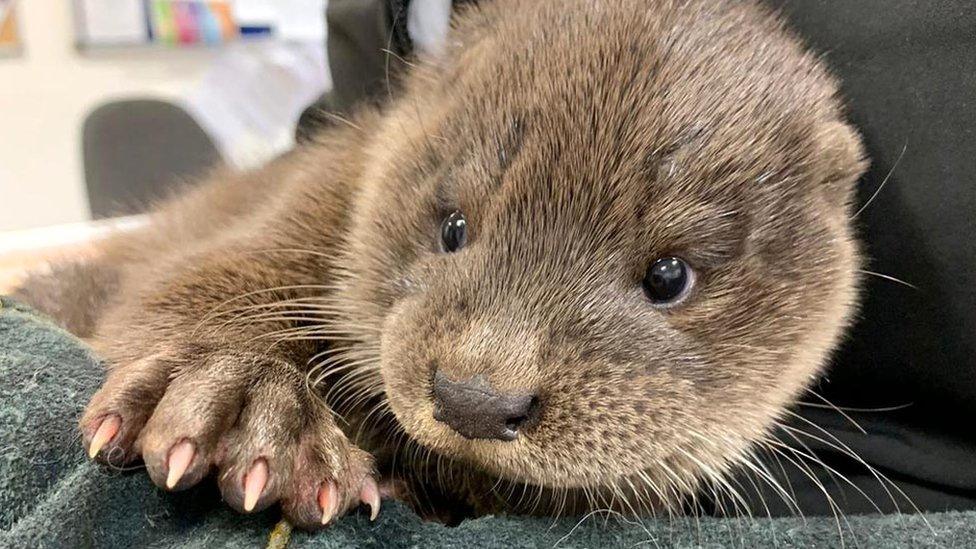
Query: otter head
point(607, 241)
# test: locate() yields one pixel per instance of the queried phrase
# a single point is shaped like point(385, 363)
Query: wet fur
point(582, 140)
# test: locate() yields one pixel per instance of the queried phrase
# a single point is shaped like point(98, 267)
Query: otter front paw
point(251, 418)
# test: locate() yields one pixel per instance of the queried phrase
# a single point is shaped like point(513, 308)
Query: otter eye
point(667, 280)
point(454, 232)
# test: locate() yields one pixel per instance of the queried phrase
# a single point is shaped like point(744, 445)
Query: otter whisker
point(283, 288)
point(838, 410)
point(303, 333)
point(327, 312)
point(656, 490)
point(884, 182)
point(300, 325)
point(836, 510)
point(579, 523)
point(782, 469)
point(319, 302)
point(350, 365)
point(359, 399)
point(539, 491)
point(880, 477)
point(241, 315)
point(242, 321)
point(789, 498)
point(835, 475)
point(646, 498)
point(625, 500)
point(752, 470)
point(357, 395)
point(352, 384)
point(717, 478)
point(677, 481)
point(382, 407)
point(301, 251)
point(278, 317)
point(562, 503)
point(341, 356)
point(318, 374)
point(857, 410)
point(332, 369)
point(889, 278)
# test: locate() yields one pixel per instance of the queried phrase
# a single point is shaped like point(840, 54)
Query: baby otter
point(583, 260)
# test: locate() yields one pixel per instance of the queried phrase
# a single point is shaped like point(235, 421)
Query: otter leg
point(73, 294)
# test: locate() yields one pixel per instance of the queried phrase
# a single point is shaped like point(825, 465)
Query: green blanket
point(51, 496)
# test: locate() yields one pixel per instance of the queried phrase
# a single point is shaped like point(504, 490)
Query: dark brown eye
point(454, 232)
point(667, 280)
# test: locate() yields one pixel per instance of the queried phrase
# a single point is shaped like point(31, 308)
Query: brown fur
point(582, 140)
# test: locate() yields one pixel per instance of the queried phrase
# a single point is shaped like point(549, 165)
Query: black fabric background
point(908, 72)
point(908, 69)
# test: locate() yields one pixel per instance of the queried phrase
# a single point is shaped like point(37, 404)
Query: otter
point(584, 259)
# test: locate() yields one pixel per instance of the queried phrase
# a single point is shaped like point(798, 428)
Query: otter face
point(588, 260)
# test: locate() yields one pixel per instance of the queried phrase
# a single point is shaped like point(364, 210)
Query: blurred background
point(92, 91)
point(106, 106)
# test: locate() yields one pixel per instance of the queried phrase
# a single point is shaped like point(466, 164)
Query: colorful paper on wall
point(193, 22)
point(187, 29)
point(147, 22)
point(197, 22)
point(163, 24)
point(222, 14)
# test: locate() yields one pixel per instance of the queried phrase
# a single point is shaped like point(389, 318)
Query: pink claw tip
point(104, 434)
point(254, 482)
point(180, 458)
point(370, 495)
point(328, 501)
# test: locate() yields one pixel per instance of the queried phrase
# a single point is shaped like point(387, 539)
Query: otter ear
point(841, 162)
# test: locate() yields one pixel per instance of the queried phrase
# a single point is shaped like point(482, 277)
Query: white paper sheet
point(111, 22)
point(301, 20)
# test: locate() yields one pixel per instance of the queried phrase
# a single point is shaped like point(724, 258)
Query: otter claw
point(370, 495)
point(254, 482)
point(328, 501)
point(104, 434)
point(180, 458)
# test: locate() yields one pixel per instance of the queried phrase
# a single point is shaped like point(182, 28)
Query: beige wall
point(44, 97)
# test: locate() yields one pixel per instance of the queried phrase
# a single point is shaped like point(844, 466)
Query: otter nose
point(475, 410)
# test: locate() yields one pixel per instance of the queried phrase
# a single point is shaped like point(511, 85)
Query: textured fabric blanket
point(51, 496)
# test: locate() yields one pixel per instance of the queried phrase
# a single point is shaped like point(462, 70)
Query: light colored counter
point(27, 250)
